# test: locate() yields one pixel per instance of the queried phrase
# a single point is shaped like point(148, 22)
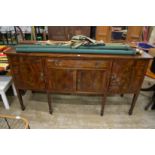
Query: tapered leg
point(20, 99)
point(103, 104)
point(50, 103)
point(133, 103)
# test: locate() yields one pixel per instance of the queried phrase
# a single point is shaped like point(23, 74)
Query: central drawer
point(77, 63)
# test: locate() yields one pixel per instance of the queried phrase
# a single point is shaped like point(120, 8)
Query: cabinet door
point(103, 33)
point(61, 80)
point(121, 76)
point(63, 33)
point(134, 33)
point(58, 33)
point(76, 75)
point(28, 73)
point(91, 81)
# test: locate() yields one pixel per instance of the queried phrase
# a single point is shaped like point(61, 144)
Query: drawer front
point(29, 60)
point(17, 60)
point(77, 63)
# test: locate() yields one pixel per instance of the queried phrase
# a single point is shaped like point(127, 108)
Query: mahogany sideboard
point(95, 74)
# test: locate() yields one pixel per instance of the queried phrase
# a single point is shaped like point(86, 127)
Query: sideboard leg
point(20, 99)
point(133, 103)
point(50, 103)
point(103, 104)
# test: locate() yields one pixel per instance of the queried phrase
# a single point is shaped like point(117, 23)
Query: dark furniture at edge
point(93, 74)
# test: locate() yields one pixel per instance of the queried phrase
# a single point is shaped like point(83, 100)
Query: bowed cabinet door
point(127, 76)
point(121, 76)
point(28, 72)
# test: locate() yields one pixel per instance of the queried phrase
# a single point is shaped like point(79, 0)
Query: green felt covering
point(115, 47)
point(70, 50)
point(92, 49)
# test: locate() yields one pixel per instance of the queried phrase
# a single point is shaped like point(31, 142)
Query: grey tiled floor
point(72, 111)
